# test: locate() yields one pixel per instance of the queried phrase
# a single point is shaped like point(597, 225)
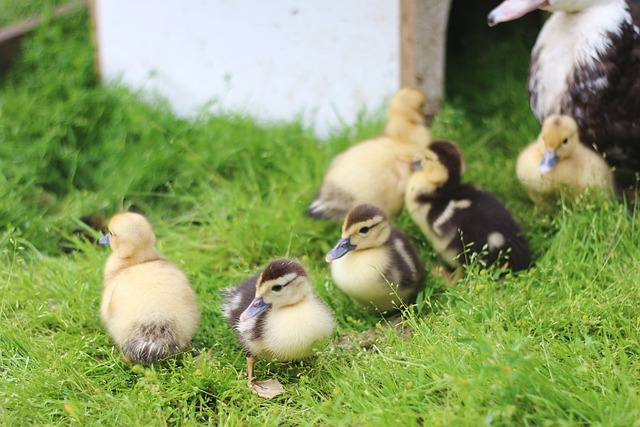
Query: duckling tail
point(317, 210)
point(151, 342)
point(332, 203)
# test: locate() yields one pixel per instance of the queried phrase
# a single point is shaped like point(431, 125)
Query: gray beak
point(104, 240)
point(340, 249)
point(256, 307)
point(548, 161)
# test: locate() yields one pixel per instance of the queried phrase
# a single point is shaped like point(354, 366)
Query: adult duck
point(586, 64)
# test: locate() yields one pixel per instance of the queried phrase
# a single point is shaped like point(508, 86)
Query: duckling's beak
point(256, 307)
point(104, 240)
point(417, 165)
point(549, 160)
point(344, 245)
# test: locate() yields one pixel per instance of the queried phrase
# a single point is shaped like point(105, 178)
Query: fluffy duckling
point(277, 317)
point(376, 171)
point(460, 219)
point(148, 305)
point(374, 263)
point(557, 162)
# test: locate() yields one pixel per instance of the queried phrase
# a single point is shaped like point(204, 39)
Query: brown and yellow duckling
point(376, 171)
point(375, 264)
point(148, 306)
point(461, 219)
point(277, 317)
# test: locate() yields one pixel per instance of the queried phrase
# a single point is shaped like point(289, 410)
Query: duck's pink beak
point(509, 10)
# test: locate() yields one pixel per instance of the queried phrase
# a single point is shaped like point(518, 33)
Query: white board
point(324, 61)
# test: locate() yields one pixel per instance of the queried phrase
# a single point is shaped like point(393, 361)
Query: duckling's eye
point(364, 230)
point(565, 141)
point(276, 288)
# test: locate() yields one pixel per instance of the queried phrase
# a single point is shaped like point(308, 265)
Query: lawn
point(555, 345)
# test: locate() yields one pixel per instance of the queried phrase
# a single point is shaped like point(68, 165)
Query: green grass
point(18, 10)
point(556, 345)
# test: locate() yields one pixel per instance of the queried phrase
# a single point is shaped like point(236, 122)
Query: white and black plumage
point(374, 263)
point(148, 305)
point(461, 219)
point(277, 317)
point(586, 64)
point(376, 170)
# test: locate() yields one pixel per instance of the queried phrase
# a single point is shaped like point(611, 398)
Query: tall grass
point(556, 345)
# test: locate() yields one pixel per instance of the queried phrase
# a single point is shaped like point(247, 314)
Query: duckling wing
point(487, 226)
point(407, 263)
point(373, 171)
point(237, 299)
point(592, 171)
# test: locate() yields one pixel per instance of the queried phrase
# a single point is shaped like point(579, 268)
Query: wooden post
point(408, 71)
point(423, 39)
point(93, 13)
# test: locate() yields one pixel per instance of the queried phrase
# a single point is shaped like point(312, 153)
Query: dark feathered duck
point(586, 64)
point(374, 263)
point(461, 219)
point(277, 317)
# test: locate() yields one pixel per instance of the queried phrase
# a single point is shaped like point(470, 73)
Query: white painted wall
point(322, 60)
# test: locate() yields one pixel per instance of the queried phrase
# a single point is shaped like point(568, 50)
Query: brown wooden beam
point(423, 40)
point(408, 70)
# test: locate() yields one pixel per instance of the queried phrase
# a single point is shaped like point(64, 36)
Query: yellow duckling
point(374, 263)
point(376, 171)
point(558, 163)
point(148, 305)
point(277, 317)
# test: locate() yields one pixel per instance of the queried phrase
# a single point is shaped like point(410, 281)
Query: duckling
point(148, 306)
point(277, 317)
point(458, 218)
point(376, 171)
point(374, 263)
point(558, 163)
